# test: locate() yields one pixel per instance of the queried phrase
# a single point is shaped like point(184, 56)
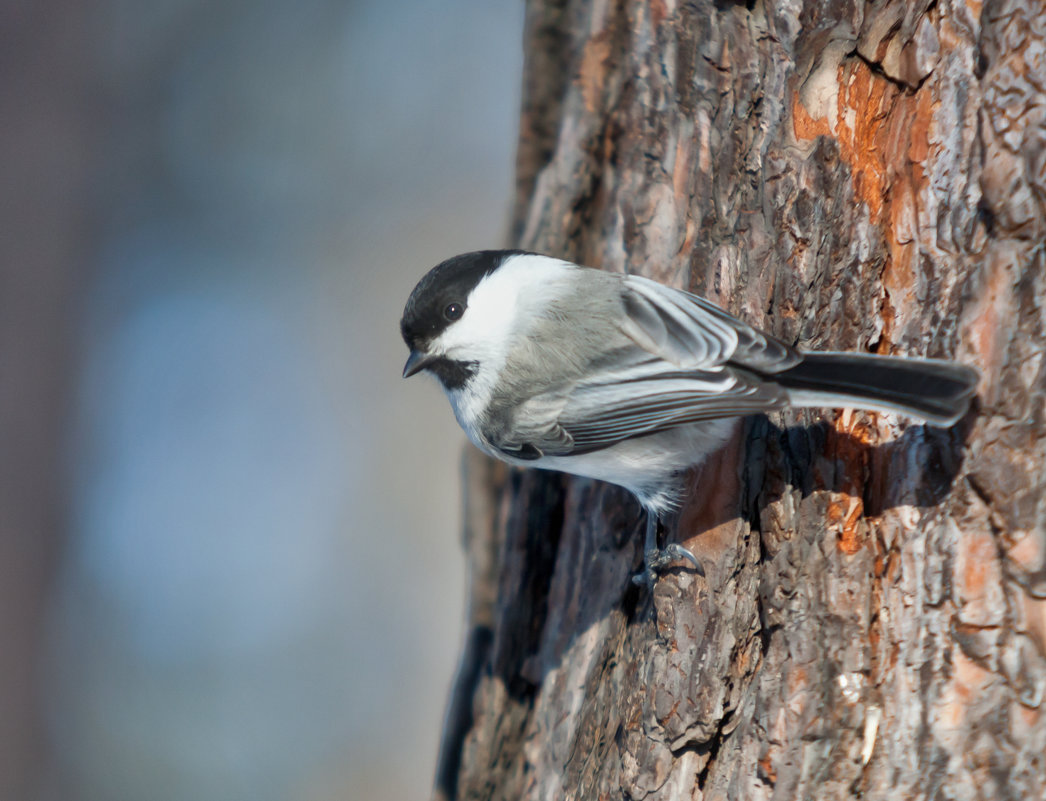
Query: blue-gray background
point(262, 590)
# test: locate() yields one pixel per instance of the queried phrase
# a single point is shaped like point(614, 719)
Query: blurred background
point(230, 560)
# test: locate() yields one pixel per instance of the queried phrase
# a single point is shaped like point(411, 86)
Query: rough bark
point(858, 176)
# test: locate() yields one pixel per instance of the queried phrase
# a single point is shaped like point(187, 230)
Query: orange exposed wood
point(864, 111)
point(883, 135)
point(805, 126)
point(980, 568)
point(593, 73)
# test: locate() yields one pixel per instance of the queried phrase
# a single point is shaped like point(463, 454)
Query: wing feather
point(688, 331)
point(602, 415)
point(684, 361)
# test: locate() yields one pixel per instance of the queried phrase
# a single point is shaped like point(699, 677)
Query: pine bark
point(849, 176)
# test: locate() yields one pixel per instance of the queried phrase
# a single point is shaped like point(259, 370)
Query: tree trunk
point(849, 176)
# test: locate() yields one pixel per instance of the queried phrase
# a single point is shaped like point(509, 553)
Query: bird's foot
point(656, 559)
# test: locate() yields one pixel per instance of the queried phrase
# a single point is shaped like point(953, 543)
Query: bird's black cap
point(447, 283)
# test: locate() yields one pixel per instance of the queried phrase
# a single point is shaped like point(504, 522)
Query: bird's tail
point(936, 391)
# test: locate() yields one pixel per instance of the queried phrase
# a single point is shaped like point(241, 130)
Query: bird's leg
point(655, 558)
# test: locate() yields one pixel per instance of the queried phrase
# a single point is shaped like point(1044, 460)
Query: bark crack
point(877, 69)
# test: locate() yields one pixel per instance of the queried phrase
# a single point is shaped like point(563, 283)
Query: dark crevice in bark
point(726, 5)
point(524, 612)
point(979, 491)
point(459, 710)
point(877, 69)
point(711, 749)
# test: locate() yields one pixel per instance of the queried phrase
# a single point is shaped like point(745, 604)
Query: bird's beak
point(417, 361)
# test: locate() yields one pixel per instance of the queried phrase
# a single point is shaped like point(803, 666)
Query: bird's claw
point(656, 559)
point(677, 551)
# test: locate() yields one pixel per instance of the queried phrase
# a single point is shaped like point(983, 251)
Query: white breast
point(649, 467)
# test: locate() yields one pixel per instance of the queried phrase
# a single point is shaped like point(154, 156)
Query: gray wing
point(599, 415)
point(688, 331)
point(684, 361)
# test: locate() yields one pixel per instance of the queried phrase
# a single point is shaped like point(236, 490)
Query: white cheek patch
point(497, 313)
point(486, 323)
point(498, 307)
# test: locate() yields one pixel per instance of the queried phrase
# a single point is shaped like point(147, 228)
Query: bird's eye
point(453, 311)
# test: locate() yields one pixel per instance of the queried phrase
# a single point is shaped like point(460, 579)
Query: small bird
point(619, 378)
